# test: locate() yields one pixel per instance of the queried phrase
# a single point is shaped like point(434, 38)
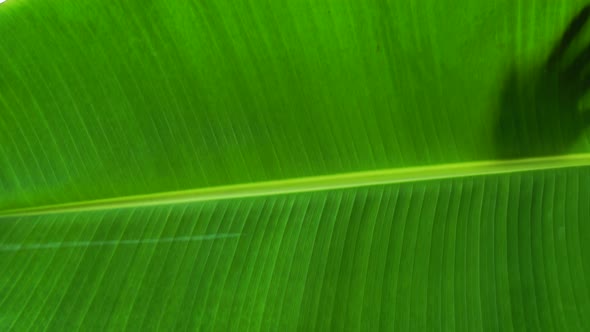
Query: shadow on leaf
point(540, 110)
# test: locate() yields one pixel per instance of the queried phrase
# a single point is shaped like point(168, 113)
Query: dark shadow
point(540, 112)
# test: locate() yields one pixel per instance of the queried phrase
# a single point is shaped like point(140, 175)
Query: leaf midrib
point(313, 184)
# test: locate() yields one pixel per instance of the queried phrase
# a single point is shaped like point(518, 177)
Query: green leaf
point(103, 100)
point(495, 252)
point(291, 165)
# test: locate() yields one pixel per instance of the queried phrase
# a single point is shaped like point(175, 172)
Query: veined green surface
point(502, 252)
point(246, 108)
point(106, 99)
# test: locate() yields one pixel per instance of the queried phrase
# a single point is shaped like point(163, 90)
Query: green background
point(104, 99)
point(495, 253)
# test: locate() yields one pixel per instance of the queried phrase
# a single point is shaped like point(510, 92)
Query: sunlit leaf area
point(296, 165)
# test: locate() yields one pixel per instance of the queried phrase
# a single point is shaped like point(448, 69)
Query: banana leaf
point(294, 165)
